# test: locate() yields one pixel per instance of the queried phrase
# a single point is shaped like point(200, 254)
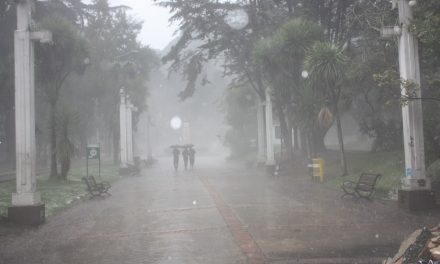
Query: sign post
point(93, 152)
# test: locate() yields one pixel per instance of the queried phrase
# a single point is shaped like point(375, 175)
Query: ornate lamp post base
point(27, 215)
point(416, 200)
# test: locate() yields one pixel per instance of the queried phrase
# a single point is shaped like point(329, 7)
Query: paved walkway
point(218, 213)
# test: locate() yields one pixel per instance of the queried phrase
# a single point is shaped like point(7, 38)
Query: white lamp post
point(123, 130)
point(26, 202)
point(416, 186)
point(149, 147)
point(261, 158)
point(415, 192)
point(126, 109)
point(411, 112)
point(270, 155)
point(130, 108)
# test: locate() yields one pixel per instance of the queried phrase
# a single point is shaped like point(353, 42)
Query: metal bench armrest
point(349, 187)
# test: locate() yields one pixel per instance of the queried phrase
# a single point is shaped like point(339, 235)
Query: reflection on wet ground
point(218, 213)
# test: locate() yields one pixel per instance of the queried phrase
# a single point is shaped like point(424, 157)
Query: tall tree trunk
point(310, 146)
point(53, 143)
point(65, 167)
point(289, 143)
point(10, 137)
point(287, 137)
point(44, 154)
point(115, 148)
point(340, 139)
point(65, 159)
point(303, 142)
point(290, 8)
point(318, 139)
point(296, 139)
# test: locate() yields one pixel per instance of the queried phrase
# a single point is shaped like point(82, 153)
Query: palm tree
point(325, 62)
point(281, 58)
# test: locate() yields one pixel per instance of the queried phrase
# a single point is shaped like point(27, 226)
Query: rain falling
point(207, 131)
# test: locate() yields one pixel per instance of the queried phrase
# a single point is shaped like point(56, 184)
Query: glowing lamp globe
point(176, 123)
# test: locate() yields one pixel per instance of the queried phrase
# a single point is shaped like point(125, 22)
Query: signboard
point(93, 152)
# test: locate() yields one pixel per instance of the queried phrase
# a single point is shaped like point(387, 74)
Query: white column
point(270, 156)
point(123, 130)
point(24, 111)
point(186, 133)
point(411, 112)
point(149, 147)
point(261, 158)
point(130, 159)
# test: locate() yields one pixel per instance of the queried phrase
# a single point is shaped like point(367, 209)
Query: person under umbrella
point(192, 157)
point(185, 155)
point(176, 153)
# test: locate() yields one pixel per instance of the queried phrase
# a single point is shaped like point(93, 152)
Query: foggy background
point(204, 112)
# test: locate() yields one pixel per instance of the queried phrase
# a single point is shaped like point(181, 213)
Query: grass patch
point(6, 189)
point(58, 194)
point(389, 164)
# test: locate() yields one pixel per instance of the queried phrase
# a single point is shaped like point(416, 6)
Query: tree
point(240, 109)
point(66, 120)
point(282, 59)
point(7, 117)
point(426, 27)
point(117, 59)
point(103, 35)
point(55, 63)
point(206, 35)
point(326, 64)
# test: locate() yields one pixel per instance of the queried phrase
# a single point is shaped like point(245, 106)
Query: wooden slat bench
point(94, 188)
point(363, 188)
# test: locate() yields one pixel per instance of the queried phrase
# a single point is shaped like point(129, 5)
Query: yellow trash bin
point(318, 169)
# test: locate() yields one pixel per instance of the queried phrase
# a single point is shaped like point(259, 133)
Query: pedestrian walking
point(192, 157)
point(185, 155)
point(176, 153)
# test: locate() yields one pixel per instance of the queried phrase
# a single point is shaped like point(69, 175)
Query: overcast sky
point(156, 32)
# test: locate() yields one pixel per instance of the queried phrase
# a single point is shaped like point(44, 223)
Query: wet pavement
point(218, 213)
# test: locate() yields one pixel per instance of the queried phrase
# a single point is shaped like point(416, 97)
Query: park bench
point(95, 188)
point(363, 188)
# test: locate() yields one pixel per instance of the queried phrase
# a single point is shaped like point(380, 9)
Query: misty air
point(223, 132)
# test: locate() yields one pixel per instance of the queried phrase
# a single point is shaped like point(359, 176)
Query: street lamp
point(176, 123)
point(415, 191)
point(270, 152)
point(27, 207)
point(237, 19)
point(123, 131)
point(86, 61)
point(305, 74)
point(126, 109)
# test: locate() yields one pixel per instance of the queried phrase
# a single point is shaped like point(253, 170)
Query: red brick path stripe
point(244, 239)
